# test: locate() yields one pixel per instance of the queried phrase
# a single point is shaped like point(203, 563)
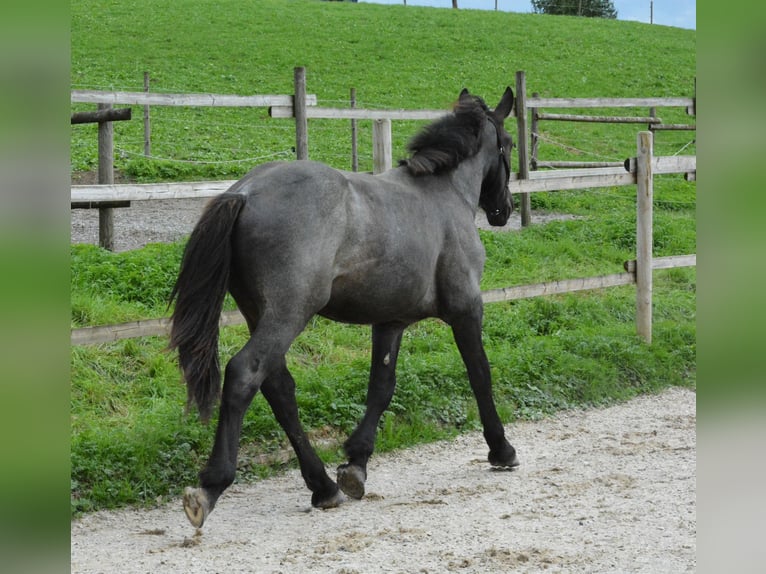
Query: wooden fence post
point(381, 146)
point(644, 207)
point(534, 142)
point(106, 176)
point(301, 118)
point(521, 145)
point(147, 122)
point(354, 144)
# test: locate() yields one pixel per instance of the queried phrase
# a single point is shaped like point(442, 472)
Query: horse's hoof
point(506, 460)
point(351, 480)
point(332, 502)
point(196, 506)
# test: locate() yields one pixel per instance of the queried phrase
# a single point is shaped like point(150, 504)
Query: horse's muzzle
point(499, 217)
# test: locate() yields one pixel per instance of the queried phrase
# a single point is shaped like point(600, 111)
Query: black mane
point(442, 145)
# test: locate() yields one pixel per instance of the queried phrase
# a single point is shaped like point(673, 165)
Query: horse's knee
point(243, 378)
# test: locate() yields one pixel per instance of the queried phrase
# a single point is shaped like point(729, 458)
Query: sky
point(678, 13)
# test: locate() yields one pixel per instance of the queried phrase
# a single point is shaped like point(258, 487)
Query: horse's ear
point(464, 94)
point(503, 109)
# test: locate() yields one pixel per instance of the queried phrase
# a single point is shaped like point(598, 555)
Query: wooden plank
point(147, 121)
point(644, 216)
point(110, 333)
point(610, 102)
point(98, 204)
point(599, 119)
point(562, 183)
point(671, 127)
point(578, 164)
point(106, 176)
point(534, 139)
point(301, 126)
point(149, 191)
point(286, 110)
point(556, 287)
point(674, 164)
point(161, 327)
point(668, 262)
point(667, 164)
point(673, 261)
point(101, 115)
point(358, 113)
point(382, 157)
point(579, 172)
point(538, 181)
point(211, 100)
point(525, 202)
point(143, 328)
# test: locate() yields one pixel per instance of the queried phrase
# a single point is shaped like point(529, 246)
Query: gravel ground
point(161, 221)
point(603, 490)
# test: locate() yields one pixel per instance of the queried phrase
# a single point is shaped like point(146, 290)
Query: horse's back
point(361, 248)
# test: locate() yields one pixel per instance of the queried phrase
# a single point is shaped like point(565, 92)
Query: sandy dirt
point(603, 490)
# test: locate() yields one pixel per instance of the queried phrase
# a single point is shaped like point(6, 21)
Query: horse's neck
point(467, 178)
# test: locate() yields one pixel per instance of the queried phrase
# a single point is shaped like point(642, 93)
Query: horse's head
point(472, 129)
point(495, 199)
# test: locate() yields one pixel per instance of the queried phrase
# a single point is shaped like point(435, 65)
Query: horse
point(291, 240)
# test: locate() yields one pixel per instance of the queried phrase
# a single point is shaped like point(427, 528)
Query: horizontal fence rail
point(149, 191)
point(206, 100)
point(599, 119)
point(538, 181)
point(688, 103)
point(357, 113)
point(161, 327)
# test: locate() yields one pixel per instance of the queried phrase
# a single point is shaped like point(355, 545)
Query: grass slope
point(396, 56)
point(132, 443)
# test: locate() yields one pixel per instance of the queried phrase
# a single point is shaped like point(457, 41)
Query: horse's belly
point(379, 299)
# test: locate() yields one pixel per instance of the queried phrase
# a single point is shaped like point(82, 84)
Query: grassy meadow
point(131, 442)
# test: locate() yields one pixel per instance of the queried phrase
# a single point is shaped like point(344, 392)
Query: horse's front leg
point(386, 340)
point(467, 332)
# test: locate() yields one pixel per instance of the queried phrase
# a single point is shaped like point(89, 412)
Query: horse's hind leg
point(243, 376)
point(259, 360)
point(279, 391)
point(386, 340)
point(467, 332)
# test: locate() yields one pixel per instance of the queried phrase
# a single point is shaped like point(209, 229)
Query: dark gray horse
point(291, 240)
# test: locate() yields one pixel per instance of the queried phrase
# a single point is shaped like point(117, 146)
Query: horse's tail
point(199, 293)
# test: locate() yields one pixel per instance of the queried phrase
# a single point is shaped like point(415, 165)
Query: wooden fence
point(653, 122)
point(301, 106)
point(526, 131)
point(637, 171)
point(106, 114)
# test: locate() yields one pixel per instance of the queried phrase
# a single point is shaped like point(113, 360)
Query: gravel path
point(604, 490)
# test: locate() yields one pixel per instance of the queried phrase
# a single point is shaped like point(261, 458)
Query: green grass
point(395, 56)
point(131, 442)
